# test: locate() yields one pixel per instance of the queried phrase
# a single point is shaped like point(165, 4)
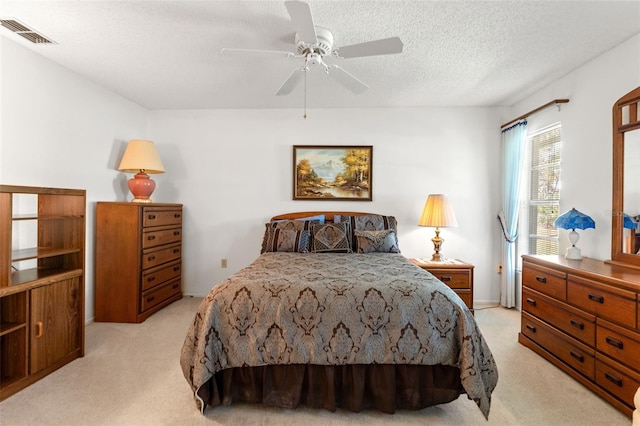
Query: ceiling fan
point(314, 44)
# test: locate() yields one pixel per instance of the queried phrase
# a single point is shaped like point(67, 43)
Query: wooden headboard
point(328, 215)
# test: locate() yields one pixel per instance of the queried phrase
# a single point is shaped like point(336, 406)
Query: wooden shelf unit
point(41, 283)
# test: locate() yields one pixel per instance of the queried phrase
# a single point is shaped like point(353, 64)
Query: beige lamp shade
point(438, 213)
point(141, 155)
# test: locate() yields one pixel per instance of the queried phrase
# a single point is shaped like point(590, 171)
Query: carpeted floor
point(131, 375)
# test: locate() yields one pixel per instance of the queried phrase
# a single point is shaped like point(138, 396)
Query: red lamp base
point(141, 186)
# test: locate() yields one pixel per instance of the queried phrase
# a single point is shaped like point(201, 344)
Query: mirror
point(631, 193)
point(625, 236)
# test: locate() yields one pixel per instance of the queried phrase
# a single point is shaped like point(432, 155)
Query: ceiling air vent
point(24, 31)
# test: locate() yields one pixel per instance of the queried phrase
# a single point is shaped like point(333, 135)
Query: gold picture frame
point(333, 172)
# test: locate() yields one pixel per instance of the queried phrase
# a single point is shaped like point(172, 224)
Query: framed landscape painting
point(328, 172)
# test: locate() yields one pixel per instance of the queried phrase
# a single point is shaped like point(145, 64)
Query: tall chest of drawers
point(584, 317)
point(138, 259)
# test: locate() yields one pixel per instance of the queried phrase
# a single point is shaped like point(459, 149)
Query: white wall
point(586, 174)
point(60, 130)
point(233, 170)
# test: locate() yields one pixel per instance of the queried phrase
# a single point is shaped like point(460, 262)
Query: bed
point(331, 315)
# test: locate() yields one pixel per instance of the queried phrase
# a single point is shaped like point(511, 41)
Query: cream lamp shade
point(437, 213)
point(141, 158)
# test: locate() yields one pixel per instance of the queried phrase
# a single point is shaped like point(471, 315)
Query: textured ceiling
point(166, 54)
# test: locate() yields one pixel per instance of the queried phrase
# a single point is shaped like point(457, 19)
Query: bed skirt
point(385, 388)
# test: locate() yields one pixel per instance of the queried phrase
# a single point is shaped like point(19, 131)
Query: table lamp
point(437, 213)
point(141, 158)
point(573, 219)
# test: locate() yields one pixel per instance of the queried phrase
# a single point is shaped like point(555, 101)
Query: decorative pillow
point(331, 238)
point(286, 240)
point(377, 241)
point(288, 225)
point(370, 222)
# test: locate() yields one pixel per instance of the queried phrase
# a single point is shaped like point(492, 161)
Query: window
point(544, 190)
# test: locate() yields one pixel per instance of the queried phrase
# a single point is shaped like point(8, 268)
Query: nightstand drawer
point(155, 257)
point(573, 353)
point(158, 216)
point(465, 295)
point(575, 323)
point(612, 303)
point(453, 278)
point(155, 276)
point(159, 295)
point(161, 236)
point(545, 280)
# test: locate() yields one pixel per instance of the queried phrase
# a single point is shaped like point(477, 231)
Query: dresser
point(583, 316)
point(453, 272)
point(138, 260)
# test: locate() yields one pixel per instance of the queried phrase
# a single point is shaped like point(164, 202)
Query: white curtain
point(513, 145)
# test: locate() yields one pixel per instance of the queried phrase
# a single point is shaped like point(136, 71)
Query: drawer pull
point(577, 356)
point(151, 278)
point(152, 216)
point(542, 280)
point(150, 258)
point(596, 298)
point(176, 285)
point(445, 278)
point(531, 302)
point(39, 329)
point(577, 324)
point(614, 342)
point(617, 381)
point(176, 233)
point(176, 268)
point(150, 299)
point(151, 237)
point(531, 328)
point(176, 215)
point(177, 250)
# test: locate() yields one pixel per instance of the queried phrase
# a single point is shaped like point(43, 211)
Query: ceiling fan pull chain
point(305, 95)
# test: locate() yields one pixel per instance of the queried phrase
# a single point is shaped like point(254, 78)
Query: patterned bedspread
point(336, 309)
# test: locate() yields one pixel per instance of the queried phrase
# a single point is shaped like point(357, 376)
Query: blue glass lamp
point(573, 219)
point(629, 222)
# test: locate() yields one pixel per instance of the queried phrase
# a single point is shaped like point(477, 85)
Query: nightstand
point(453, 272)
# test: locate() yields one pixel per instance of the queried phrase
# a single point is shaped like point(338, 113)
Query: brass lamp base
point(437, 243)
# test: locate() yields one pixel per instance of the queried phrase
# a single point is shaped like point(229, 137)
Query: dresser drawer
point(159, 216)
point(158, 256)
point(575, 323)
point(453, 278)
point(159, 295)
point(617, 380)
point(619, 344)
point(604, 301)
point(155, 276)
point(161, 236)
point(573, 353)
point(545, 280)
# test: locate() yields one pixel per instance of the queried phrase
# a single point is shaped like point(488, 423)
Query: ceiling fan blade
point(300, 13)
point(291, 82)
point(347, 80)
point(253, 53)
point(384, 46)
